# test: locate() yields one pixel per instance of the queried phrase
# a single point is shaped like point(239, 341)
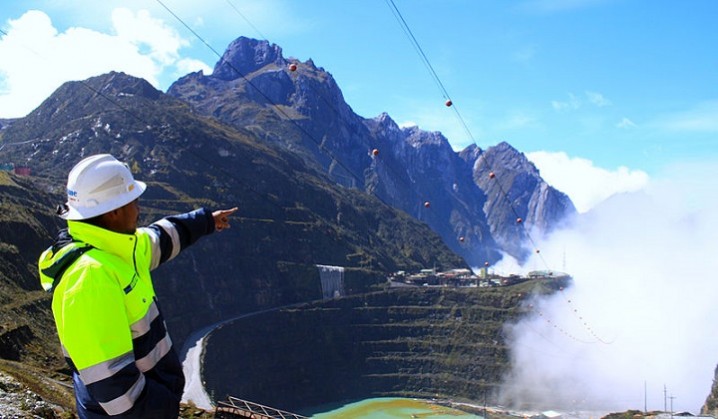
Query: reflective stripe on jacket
point(110, 326)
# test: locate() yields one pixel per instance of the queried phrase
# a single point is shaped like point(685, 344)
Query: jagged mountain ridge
point(515, 190)
point(303, 110)
point(290, 216)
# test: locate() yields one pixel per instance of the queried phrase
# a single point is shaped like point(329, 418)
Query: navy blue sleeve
point(192, 225)
point(155, 400)
point(174, 233)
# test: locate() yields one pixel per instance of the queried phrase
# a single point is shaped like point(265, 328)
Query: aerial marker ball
point(492, 175)
point(292, 67)
point(449, 102)
point(427, 204)
point(375, 152)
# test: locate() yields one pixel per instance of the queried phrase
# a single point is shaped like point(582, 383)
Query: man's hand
point(221, 218)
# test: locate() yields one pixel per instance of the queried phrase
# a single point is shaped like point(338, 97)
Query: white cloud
point(188, 65)
point(143, 31)
point(586, 184)
point(625, 123)
point(597, 99)
point(572, 103)
point(37, 58)
point(642, 295)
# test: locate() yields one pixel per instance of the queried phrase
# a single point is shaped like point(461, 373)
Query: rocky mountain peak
point(122, 84)
point(117, 84)
point(506, 156)
point(74, 100)
point(418, 138)
point(502, 172)
point(470, 153)
point(311, 64)
point(246, 55)
point(384, 124)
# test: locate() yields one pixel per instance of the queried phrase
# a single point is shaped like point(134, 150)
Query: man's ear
point(110, 217)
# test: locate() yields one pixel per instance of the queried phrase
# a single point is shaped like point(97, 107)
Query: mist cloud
point(640, 311)
point(585, 183)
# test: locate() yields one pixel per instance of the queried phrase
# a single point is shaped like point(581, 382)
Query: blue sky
point(621, 90)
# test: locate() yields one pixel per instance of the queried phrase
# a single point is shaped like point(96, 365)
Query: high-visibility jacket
point(110, 326)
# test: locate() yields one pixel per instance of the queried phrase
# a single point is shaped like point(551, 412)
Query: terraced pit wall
point(409, 342)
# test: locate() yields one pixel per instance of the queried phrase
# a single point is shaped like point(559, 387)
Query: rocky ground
point(18, 401)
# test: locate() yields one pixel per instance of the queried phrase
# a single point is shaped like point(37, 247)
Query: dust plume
point(636, 328)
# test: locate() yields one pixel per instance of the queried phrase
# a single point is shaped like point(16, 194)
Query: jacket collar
point(120, 244)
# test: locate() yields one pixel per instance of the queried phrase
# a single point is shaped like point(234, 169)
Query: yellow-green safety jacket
point(111, 330)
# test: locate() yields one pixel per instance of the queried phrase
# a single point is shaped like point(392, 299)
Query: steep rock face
point(518, 202)
point(419, 172)
point(244, 56)
point(304, 111)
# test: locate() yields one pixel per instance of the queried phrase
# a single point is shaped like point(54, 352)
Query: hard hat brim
point(78, 214)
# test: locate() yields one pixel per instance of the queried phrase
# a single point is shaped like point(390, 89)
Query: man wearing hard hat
point(111, 329)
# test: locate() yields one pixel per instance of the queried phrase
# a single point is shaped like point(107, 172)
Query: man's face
point(127, 218)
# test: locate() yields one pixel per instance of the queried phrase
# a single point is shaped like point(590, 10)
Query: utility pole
point(645, 398)
point(485, 417)
point(672, 397)
point(665, 399)
point(483, 391)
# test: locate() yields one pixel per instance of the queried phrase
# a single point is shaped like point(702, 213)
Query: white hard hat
point(99, 184)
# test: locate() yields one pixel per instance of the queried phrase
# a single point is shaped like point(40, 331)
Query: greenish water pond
point(393, 408)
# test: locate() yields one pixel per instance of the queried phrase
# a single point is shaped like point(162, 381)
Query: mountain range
point(315, 184)
point(474, 196)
